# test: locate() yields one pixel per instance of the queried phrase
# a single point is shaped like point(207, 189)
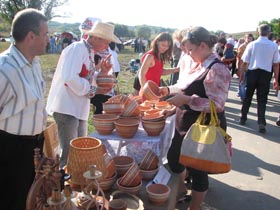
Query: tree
point(10, 7)
point(144, 31)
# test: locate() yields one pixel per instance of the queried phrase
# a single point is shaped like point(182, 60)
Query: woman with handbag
point(205, 78)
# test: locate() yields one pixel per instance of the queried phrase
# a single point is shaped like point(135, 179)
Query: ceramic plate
point(133, 202)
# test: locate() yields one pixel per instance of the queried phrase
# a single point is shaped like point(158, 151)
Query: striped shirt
point(22, 107)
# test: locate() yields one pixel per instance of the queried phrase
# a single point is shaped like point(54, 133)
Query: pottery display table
point(143, 202)
point(138, 145)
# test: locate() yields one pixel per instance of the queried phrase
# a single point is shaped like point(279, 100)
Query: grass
point(125, 78)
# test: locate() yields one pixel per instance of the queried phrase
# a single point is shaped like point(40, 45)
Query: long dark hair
point(166, 56)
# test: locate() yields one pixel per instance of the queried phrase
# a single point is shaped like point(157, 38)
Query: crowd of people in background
point(202, 67)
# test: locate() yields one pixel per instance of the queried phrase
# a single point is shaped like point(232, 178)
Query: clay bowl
point(158, 193)
point(113, 107)
point(148, 174)
point(126, 127)
point(106, 183)
point(151, 91)
point(150, 161)
point(150, 103)
point(110, 165)
point(163, 105)
point(105, 81)
point(138, 99)
point(131, 109)
point(153, 128)
point(144, 108)
point(132, 177)
point(153, 116)
point(104, 123)
point(152, 111)
point(131, 190)
point(122, 164)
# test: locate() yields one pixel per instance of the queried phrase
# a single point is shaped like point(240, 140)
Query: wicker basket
point(85, 151)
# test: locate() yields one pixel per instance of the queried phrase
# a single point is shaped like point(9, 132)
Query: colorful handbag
point(204, 147)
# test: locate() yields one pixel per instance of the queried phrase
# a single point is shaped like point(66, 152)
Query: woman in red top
point(154, 60)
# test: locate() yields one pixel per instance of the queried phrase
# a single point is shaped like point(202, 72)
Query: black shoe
point(185, 198)
point(262, 128)
point(242, 122)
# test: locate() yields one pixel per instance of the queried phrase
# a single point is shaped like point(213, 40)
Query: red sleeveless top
point(154, 73)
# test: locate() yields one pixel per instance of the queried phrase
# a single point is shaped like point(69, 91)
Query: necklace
point(92, 68)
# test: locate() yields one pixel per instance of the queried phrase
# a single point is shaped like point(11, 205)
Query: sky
point(229, 16)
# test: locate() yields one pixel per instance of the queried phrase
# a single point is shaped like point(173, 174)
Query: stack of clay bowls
point(153, 122)
point(149, 165)
point(104, 123)
point(122, 164)
point(131, 181)
point(109, 180)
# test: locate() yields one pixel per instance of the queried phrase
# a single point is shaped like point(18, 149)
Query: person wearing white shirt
point(259, 56)
point(74, 83)
point(22, 106)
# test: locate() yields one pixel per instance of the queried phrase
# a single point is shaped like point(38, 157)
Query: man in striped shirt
point(22, 107)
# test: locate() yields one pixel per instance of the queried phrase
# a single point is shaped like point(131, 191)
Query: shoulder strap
point(216, 60)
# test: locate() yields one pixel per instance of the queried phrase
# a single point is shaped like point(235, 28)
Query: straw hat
point(88, 24)
point(104, 31)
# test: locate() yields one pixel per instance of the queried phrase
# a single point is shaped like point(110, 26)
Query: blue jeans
point(69, 127)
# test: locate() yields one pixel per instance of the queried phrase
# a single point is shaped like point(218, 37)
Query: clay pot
point(131, 190)
point(132, 177)
point(150, 161)
point(131, 109)
point(122, 164)
point(106, 81)
point(117, 204)
point(144, 108)
point(113, 107)
point(151, 91)
point(162, 105)
point(148, 174)
point(110, 165)
point(158, 193)
point(153, 116)
point(106, 183)
point(104, 123)
point(153, 128)
point(126, 127)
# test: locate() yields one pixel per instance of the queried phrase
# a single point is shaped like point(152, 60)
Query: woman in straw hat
point(74, 83)
point(203, 78)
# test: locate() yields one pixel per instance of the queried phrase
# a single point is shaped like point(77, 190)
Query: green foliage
point(10, 8)
point(144, 32)
point(61, 27)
